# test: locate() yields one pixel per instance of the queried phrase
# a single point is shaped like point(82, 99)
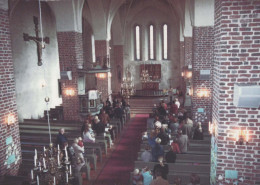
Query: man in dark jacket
point(61, 138)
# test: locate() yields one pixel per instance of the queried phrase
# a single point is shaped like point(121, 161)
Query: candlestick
point(32, 175)
point(38, 183)
point(54, 180)
point(70, 170)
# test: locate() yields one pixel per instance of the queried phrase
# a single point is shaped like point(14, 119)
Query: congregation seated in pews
point(97, 134)
point(173, 138)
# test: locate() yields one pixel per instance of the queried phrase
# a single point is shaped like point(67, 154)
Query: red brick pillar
point(237, 60)
point(119, 66)
point(188, 43)
point(203, 49)
point(9, 134)
point(71, 58)
point(103, 84)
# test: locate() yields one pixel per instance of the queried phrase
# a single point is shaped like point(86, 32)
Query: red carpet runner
point(118, 168)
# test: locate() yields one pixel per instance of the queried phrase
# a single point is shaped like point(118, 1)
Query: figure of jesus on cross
point(38, 40)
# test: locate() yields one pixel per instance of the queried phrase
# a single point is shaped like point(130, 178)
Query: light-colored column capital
point(4, 4)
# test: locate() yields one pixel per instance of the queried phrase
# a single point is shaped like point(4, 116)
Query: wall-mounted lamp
point(101, 75)
point(69, 92)
point(241, 137)
point(187, 72)
point(203, 93)
point(10, 119)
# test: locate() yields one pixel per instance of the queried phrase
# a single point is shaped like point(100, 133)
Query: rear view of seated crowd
point(169, 130)
point(96, 134)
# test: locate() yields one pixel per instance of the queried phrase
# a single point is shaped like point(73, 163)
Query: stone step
point(185, 178)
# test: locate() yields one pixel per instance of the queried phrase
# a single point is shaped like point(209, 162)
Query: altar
point(153, 85)
point(154, 72)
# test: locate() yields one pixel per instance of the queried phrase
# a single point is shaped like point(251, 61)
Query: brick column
point(71, 58)
point(8, 105)
point(203, 45)
point(236, 60)
point(119, 66)
point(188, 43)
point(104, 84)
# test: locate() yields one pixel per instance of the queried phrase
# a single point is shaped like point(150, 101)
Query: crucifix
point(38, 40)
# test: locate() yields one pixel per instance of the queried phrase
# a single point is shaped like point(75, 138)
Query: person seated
point(158, 179)
point(177, 103)
point(170, 156)
point(137, 176)
point(157, 150)
point(61, 138)
point(86, 123)
point(183, 141)
point(198, 132)
point(78, 150)
point(163, 168)
point(151, 138)
point(194, 179)
point(177, 181)
point(175, 146)
point(163, 136)
point(98, 127)
point(88, 135)
point(174, 125)
point(147, 176)
point(146, 155)
point(174, 109)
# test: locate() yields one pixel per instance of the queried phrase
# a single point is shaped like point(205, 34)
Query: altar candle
point(44, 149)
point(54, 180)
point(32, 175)
point(70, 170)
point(44, 164)
point(58, 147)
point(67, 178)
point(38, 183)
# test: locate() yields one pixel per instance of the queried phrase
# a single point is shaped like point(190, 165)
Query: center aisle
point(118, 168)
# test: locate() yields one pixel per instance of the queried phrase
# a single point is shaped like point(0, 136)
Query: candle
point(54, 180)
point(58, 158)
point(38, 183)
point(58, 147)
point(36, 153)
point(44, 149)
point(35, 163)
point(66, 153)
point(32, 175)
point(70, 170)
point(44, 164)
point(67, 178)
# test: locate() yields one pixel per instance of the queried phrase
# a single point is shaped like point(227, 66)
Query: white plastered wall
point(28, 75)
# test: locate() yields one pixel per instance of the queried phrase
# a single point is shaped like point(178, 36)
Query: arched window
point(151, 42)
point(137, 43)
point(165, 41)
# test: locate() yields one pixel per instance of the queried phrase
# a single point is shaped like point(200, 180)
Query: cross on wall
point(38, 40)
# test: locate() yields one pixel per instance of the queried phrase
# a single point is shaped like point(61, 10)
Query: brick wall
point(103, 85)
point(188, 44)
point(236, 60)
point(202, 60)
point(7, 97)
point(71, 58)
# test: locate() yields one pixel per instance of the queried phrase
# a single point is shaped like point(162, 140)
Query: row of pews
point(34, 134)
point(196, 160)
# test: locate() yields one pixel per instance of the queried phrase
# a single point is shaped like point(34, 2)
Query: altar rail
point(150, 93)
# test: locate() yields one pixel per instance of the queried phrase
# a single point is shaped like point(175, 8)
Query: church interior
point(121, 74)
